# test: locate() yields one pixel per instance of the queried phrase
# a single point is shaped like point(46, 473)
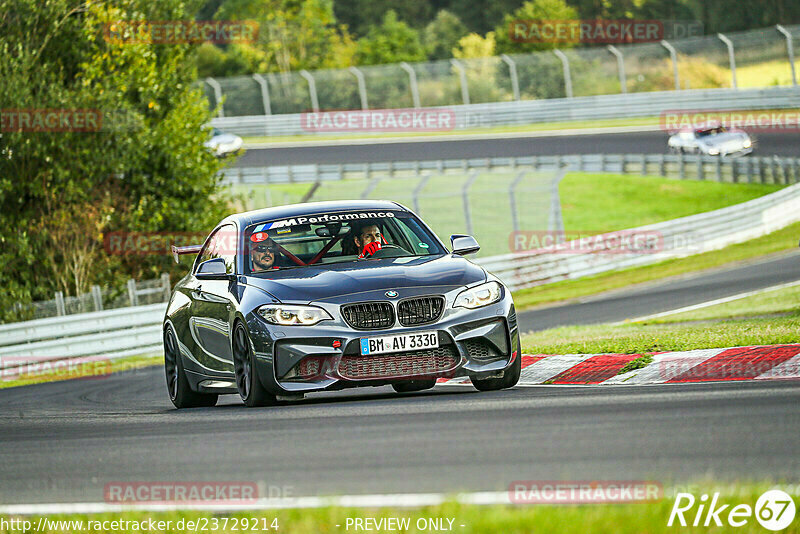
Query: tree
point(361, 16)
point(442, 35)
point(294, 35)
point(140, 167)
point(391, 42)
point(533, 10)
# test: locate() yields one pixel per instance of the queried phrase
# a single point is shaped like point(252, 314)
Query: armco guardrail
point(752, 169)
point(111, 333)
point(672, 239)
point(555, 110)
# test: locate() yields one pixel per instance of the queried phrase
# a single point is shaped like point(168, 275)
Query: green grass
point(776, 72)
point(764, 319)
point(773, 302)
point(627, 518)
point(90, 371)
point(781, 240)
point(606, 202)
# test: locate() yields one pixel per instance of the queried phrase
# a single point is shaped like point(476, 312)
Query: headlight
point(747, 143)
point(713, 151)
point(292, 315)
point(478, 296)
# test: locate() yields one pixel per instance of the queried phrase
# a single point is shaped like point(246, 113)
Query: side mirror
point(464, 244)
point(212, 270)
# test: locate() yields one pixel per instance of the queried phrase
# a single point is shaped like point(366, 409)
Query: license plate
point(399, 343)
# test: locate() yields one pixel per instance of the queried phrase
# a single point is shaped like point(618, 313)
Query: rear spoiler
point(190, 249)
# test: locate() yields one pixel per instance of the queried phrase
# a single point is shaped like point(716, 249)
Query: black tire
point(247, 383)
point(180, 392)
point(414, 385)
point(509, 379)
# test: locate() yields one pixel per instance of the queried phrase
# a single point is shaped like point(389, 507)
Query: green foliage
point(361, 16)
point(532, 10)
point(391, 42)
point(293, 35)
point(443, 34)
point(145, 169)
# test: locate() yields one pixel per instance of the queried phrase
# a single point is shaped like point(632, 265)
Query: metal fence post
point(371, 186)
point(750, 165)
point(555, 223)
point(132, 296)
point(789, 50)
point(416, 192)
point(97, 297)
point(567, 76)
point(512, 71)
point(620, 66)
point(731, 59)
point(412, 80)
point(312, 89)
point(60, 308)
point(217, 94)
point(362, 86)
point(718, 169)
point(681, 166)
point(265, 101)
point(674, 57)
point(462, 76)
point(700, 168)
point(662, 165)
point(166, 285)
point(512, 197)
point(465, 200)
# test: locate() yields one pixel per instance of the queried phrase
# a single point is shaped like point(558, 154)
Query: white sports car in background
point(711, 141)
point(221, 144)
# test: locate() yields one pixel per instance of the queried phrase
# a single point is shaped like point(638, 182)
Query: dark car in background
point(329, 312)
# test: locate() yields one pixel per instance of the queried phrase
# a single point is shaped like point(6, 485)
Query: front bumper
point(481, 342)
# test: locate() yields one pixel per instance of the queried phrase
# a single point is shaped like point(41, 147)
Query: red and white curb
point(765, 362)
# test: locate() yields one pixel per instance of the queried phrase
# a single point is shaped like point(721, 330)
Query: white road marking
point(712, 302)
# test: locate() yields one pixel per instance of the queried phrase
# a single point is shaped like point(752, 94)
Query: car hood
point(723, 140)
point(334, 282)
point(223, 139)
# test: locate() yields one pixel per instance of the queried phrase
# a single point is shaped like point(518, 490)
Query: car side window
point(220, 244)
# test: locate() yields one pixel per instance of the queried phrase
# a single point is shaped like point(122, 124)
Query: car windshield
point(711, 131)
point(336, 237)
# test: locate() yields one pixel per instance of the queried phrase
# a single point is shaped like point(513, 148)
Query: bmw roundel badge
point(391, 294)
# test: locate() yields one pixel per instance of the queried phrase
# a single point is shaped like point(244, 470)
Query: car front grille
point(420, 310)
point(415, 363)
point(482, 351)
point(369, 315)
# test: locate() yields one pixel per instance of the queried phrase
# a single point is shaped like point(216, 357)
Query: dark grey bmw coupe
point(322, 296)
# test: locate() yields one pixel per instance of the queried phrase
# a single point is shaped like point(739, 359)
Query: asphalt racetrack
point(647, 142)
point(63, 442)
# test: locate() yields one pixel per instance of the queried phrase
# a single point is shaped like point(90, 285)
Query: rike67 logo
point(774, 510)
